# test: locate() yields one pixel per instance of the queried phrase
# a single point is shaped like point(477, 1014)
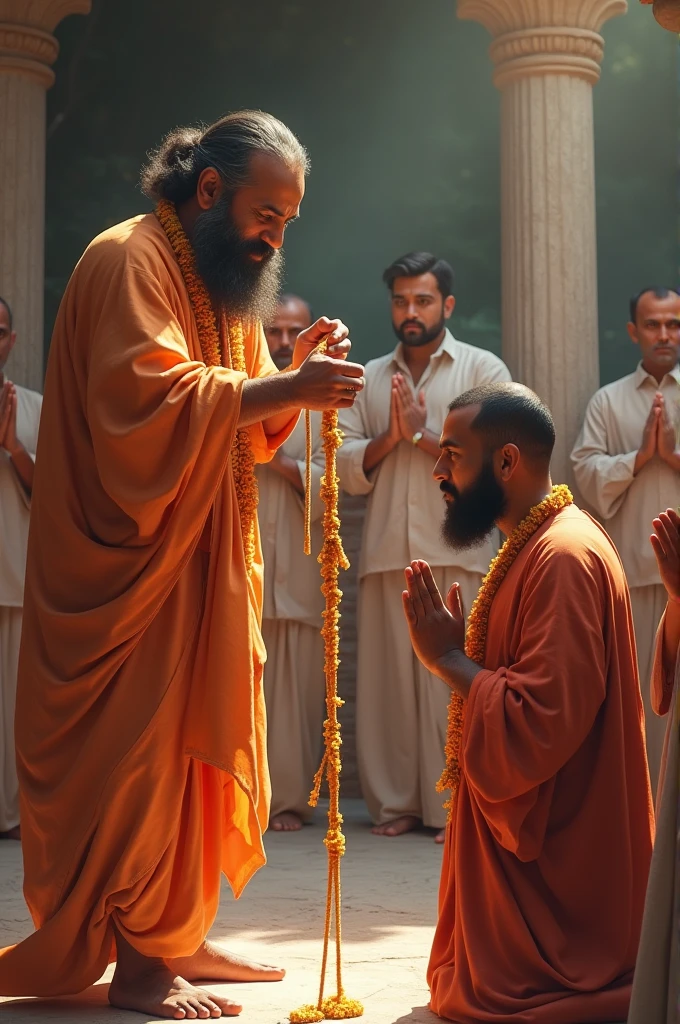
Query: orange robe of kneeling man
point(546, 860)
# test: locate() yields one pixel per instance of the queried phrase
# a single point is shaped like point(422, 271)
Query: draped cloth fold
point(140, 723)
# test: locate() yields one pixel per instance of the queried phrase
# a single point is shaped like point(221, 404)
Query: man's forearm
point(641, 460)
point(377, 450)
point(429, 443)
point(458, 672)
point(24, 467)
point(270, 401)
point(671, 639)
point(673, 460)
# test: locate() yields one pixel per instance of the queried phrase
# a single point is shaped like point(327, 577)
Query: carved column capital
point(27, 45)
point(542, 37)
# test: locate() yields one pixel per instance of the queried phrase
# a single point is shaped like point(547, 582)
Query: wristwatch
point(418, 436)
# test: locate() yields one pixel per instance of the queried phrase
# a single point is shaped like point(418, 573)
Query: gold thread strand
point(332, 559)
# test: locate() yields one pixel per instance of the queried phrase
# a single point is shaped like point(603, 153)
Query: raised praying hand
point(437, 629)
point(8, 418)
point(411, 410)
point(339, 345)
point(666, 543)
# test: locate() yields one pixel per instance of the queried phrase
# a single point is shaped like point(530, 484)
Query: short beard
point(417, 341)
point(471, 517)
point(247, 288)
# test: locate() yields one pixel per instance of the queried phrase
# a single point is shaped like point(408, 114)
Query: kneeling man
point(550, 832)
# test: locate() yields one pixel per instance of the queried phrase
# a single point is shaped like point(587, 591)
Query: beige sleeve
point(356, 440)
point(603, 479)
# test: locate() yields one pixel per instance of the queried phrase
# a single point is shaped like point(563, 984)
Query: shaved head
point(510, 413)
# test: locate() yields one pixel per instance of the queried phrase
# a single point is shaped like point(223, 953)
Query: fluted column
point(547, 56)
point(27, 51)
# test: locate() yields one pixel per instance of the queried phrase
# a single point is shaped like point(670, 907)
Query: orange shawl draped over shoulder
point(140, 716)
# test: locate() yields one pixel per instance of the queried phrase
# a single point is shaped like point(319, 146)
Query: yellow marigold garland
point(478, 621)
point(332, 558)
point(242, 459)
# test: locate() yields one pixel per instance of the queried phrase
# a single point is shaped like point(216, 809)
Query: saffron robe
point(140, 726)
point(546, 861)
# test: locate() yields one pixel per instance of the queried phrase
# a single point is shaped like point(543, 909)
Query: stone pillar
point(27, 51)
point(547, 56)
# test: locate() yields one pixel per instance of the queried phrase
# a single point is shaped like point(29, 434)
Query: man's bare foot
point(12, 833)
point(211, 963)
point(440, 837)
point(287, 821)
point(398, 826)
point(156, 991)
point(147, 985)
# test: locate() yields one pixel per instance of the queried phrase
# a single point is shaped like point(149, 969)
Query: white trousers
point(401, 707)
point(294, 692)
point(10, 637)
point(648, 606)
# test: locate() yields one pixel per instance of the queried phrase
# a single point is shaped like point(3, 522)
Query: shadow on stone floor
point(418, 1015)
point(388, 885)
point(89, 1006)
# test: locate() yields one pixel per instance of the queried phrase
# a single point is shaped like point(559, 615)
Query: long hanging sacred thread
point(478, 621)
point(242, 458)
point(308, 482)
point(332, 558)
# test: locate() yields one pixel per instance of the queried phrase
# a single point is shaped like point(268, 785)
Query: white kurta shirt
point(292, 580)
point(15, 504)
point(405, 508)
point(604, 458)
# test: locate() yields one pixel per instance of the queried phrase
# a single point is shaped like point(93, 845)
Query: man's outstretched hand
point(437, 629)
point(339, 345)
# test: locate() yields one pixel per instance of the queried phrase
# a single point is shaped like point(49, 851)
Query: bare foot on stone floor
point(440, 837)
point(398, 826)
point(212, 963)
point(287, 821)
point(159, 992)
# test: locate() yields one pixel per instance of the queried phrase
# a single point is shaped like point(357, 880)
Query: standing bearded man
point(140, 715)
point(391, 444)
point(294, 681)
point(549, 843)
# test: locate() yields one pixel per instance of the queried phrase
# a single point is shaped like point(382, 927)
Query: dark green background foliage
point(395, 103)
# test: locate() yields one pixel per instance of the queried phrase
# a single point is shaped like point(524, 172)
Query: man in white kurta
point(19, 419)
point(293, 604)
point(627, 468)
point(390, 448)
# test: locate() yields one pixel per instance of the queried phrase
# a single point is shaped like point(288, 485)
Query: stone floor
point(389, 906)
